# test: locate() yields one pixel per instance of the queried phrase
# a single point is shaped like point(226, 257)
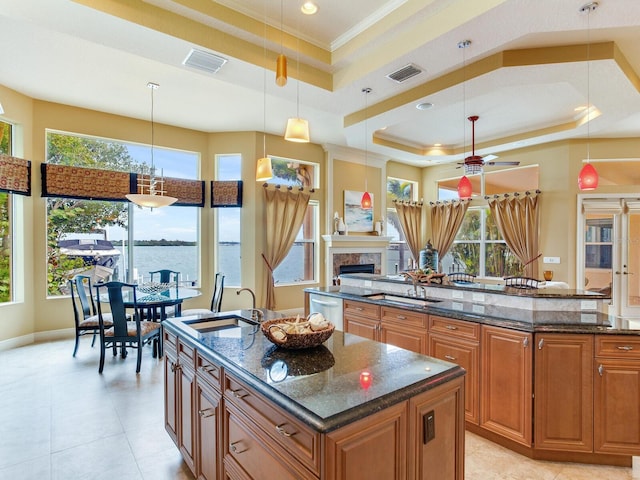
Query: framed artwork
point(358, 219)
point(226, 193)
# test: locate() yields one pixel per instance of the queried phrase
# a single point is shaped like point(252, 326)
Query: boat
point(99, 253)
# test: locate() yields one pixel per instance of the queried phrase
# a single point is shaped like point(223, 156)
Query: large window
point(6, 244)
point(143, 240)
point(228, 222)
point(398, 253)
point(301, 263)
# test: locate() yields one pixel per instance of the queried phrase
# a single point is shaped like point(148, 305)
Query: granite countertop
point(518, 319)
point(320, 386)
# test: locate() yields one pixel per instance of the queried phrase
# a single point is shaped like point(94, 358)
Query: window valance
point(96, 184)
point(15, 175)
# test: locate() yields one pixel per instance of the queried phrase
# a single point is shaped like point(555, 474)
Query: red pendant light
point(464, 188)
point(588, 178)
point(365, 201)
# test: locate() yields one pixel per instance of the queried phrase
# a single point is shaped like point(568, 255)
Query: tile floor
point(61, 420)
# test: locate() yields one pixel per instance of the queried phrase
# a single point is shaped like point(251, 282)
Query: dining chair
point(524, 283)
point(460, 277)
point(166, 276)
point(84, 310)
point(124, 333)
point(216, 299)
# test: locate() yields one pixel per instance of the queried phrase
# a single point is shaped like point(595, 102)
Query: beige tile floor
point(61, 420)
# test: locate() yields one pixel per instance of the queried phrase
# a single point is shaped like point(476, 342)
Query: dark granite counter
point(320, 386)
point(518, 319)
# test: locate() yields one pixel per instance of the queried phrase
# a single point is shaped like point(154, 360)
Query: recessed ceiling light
point(309, 8)
point(424, 106)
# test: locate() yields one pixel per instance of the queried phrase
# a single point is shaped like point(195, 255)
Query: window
point(398, 253)
point(228, 222)
point(143, 240)
point(6, 214)
point(301, 263)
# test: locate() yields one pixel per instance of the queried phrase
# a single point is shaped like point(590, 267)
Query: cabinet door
point(362, 327)
point(404, 337)
point(170, 395)
point(207, 432)
point(564, 392)
point(467, 355)
point(506, 383)
point(617, 406)
point(186, 437)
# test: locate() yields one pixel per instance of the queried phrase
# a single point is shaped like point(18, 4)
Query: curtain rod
point(405, 202)
point(515, 194)
point(290, 187)
point(444, 202)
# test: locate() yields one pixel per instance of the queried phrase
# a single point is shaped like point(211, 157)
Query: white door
point(610, 251)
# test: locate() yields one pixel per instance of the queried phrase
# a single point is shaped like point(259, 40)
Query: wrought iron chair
point(216, 299)
point(84, 310)
point(166, 276)
point(123, 333)
point(524, 283)
point(460, 277)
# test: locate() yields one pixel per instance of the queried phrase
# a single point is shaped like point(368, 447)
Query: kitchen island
point(549, 374)
point(238, 407)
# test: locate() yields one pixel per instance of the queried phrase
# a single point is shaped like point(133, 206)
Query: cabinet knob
point(401, 317)
point(175, 367)
point(280, 429)
point(207, 412)
point(236, 447)
point(525, 342)
point(451, 327)
point(360, 309)
point(237, 393)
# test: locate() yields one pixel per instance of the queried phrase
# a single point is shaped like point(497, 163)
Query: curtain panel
point(410, 216)
point(285, 211)
point(517, 219)
point(15, 175)
point(68, 181)
point(446, 219)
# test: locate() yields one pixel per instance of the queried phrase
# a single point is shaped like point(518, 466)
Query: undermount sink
point(397, 299)
point(220, 323)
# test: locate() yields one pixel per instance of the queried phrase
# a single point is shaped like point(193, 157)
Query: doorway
point(609, 251)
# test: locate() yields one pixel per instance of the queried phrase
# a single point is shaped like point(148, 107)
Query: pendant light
point(297, 128)
point(365, 201)
point(153, 186)
point(465, 189)
point(588, 177)
point(281, 62)
point(264, 170)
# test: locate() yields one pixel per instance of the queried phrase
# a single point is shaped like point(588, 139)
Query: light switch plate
point(552, 260)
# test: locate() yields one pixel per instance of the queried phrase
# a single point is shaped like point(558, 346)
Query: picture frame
point(357, 219)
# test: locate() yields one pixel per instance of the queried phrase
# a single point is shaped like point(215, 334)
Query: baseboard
point(48, 336)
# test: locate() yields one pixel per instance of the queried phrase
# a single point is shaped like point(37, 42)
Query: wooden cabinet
point(617, 394)
point(563, 392)
point(458, 341)
point(208, 424)
point(506, 383)
point(362, 319)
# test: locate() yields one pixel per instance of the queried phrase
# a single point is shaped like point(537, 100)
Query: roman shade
point(15, 175)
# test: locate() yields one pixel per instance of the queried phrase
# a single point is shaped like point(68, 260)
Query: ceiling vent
point(205, 61)
point(405, 73)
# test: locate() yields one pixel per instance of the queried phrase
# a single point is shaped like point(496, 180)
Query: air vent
point(405, 73)
point(205, 61)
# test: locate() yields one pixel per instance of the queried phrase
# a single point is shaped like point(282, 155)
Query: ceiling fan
point(473, 164)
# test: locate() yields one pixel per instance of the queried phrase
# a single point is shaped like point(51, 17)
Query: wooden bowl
point(279, 337)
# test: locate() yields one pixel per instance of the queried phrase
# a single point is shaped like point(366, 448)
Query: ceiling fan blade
point(502, 163)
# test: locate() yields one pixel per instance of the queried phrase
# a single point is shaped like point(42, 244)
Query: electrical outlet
point(552, 260)
point(428, 427)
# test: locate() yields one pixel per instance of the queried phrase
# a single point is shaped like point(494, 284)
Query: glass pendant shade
point(588, 178)
point(365, 201)
point(297, 130)
point(464, 188)
point(281, 70)
point(263, 169)
point(151, 200)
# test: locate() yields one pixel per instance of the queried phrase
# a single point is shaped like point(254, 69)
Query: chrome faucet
point(256, 314)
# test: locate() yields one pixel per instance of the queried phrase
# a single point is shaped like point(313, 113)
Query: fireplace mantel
point(369, 246)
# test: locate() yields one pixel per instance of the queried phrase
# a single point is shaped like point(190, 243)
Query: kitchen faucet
point(255, 313)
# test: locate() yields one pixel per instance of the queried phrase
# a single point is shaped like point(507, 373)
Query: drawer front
point(208, 371)
point(186, 354)
point(362, 309)
point(250, 453)
point(457, 328)
point(302, 443)
point(170, 341)
point(617, 346)
point(403, 317)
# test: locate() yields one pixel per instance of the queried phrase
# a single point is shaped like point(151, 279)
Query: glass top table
point(155, 305)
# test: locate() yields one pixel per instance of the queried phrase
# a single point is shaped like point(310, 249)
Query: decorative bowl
point(274, 331)
point(154, 287)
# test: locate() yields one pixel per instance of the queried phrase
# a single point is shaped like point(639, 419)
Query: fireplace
point(357, 253)
point(357, 268)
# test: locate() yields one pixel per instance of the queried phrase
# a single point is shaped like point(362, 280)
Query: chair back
point(218, 289)
point(461, 277)
point(77, 287)
point(166, 276)
point(114, 291)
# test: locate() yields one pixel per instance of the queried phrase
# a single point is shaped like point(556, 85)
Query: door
point(610, 264)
